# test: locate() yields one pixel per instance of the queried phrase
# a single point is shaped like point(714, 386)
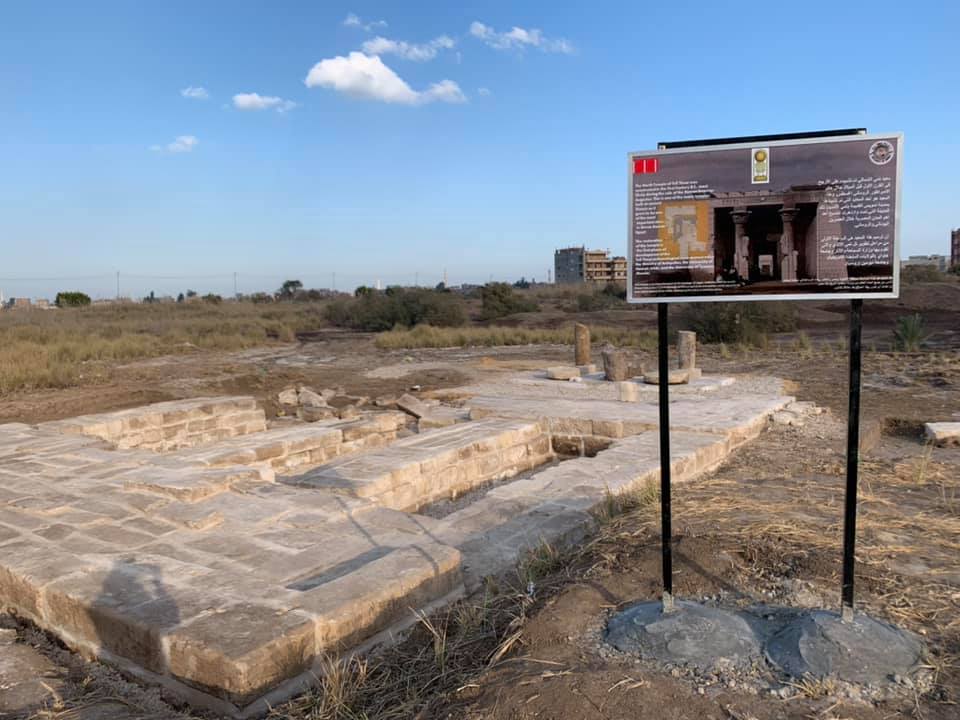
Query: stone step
point(441, 463)
point(298, 446)
point(557, 504)
point(169, 425)
point(740, 419)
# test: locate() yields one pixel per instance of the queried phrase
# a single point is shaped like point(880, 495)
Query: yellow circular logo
point(760, 155)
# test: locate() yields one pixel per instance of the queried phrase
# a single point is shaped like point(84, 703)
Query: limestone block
point(360, 603)
point(307, 397)
point(288, 397)
point(242, 650)
point(581, 336)
point(412, 406)
point(615, 365)
point(944, 434)
point(628, 391)
point(674, 377)
point(563, 372)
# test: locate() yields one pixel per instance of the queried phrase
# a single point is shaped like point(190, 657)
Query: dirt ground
point(765, 526)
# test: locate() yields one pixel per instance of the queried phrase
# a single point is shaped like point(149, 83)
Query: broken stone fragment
point(785, 417)
point(674, 377)
point(944, 434)
point(412, 406)
point(349, 412)
point(312, 413)
point(308, 398)
point(288, 397)
point(615, 365)
point(563, 372)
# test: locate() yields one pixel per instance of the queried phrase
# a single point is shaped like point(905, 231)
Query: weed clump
point(738, 323)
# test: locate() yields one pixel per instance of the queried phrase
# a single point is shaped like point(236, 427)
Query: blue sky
point(392, 141)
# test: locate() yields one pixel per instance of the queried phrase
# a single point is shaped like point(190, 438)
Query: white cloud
point(195, 93)
point(254, 101)
point(353, 20)
point(180, 144)
point(518, 38)
point(366, 77)
point(409, 51)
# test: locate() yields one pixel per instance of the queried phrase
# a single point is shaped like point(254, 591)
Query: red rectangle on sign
point(644, 166)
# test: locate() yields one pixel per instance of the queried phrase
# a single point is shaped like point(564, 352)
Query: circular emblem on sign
point(760, 155)
point(881, 152)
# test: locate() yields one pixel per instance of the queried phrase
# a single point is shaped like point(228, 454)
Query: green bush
point(909, 333)
point(609, 296)
point(375, 311)
point(499, 300)
point(73, 298)
point(745, 323)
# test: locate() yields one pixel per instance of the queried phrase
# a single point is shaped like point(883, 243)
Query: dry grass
point(444, 653)
point(425, 336)
point(61, 348)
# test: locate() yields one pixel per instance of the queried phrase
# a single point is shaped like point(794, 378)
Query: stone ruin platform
point(193, 545)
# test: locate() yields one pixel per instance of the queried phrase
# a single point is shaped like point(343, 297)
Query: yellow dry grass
point(65, 347)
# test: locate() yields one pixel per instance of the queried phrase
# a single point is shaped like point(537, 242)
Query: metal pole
point(853, 460)
point(665, 525)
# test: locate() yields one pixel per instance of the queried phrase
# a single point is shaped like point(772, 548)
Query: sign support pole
point(665, 524)
point(853, 460)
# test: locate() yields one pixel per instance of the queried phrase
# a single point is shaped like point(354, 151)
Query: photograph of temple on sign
point(822, 221)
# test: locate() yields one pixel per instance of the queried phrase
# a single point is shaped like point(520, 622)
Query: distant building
point(579, 265)
point(935, 261)
point(955, 248)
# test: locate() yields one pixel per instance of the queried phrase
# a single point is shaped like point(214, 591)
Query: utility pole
point(235, 293)
point(445, 277)
point(416, 279)
point(118, 286)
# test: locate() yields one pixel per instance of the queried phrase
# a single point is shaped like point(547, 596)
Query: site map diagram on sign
point(777, 219)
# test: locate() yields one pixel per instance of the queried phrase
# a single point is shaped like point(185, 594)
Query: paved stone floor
point(194, 546)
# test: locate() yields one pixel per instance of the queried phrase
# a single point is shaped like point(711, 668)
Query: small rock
point(288, 397)
point(575, 379)
point(414, 388)
point(348, 412)
point(313, 414)
point(785, 417)
point(308, 398)
point(385, 401)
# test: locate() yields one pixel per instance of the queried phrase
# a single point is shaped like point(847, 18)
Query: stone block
point(674, 377)
point(944, 434)
point(242, 650)
point(562, 372)
point(628, 391)
point(616, 368)
point(412, 406)
point(360, 603)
